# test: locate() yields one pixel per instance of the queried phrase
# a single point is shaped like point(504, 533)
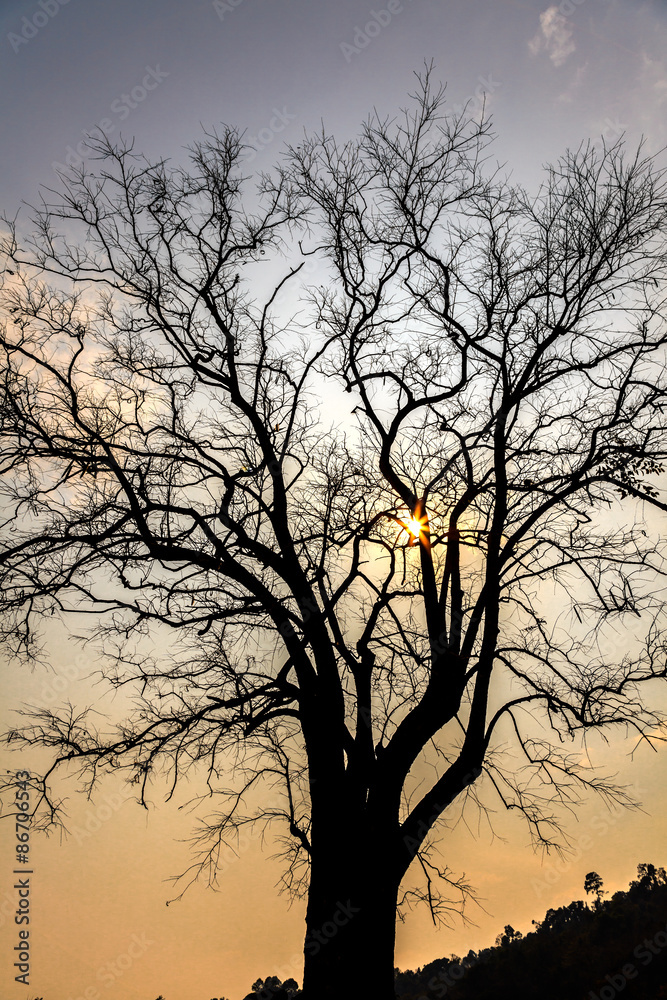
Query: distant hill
point(611, 948)
point(598, 951)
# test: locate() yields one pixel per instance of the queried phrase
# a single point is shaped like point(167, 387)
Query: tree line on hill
point(582, 951)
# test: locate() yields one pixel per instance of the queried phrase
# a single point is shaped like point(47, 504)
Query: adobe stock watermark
point(97, 816)
point(474, 102)
point(279, 121)
point(7, 909)
point(568, 7)
point(122, 107)
point(110, 972)
point(31, 26)
point(315, 940)
point(440, 984)
point(222, 7)
point(74, 671)
point(644, 953)
point(613, 129)
point(227, 855)
point(377, 22)
point(599, 825)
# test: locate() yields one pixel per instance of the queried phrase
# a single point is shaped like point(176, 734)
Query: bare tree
point(381, 614)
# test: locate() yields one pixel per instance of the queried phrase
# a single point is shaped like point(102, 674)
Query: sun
point(415, 528)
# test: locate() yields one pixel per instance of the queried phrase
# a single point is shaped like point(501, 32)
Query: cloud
point(555, 37)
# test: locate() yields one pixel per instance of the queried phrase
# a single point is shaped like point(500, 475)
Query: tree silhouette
point(594, 884)
point(272, 988)
point(648, 876)
point(508, 937)
point(575, 951)
point(382, 612)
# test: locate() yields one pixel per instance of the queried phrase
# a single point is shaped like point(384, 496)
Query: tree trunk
point(350, 931)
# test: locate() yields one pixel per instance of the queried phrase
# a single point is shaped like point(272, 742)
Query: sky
point(159, 71)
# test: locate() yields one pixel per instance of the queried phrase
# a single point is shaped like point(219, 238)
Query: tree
point(379, 615)
point(272, 988)
point(508, 937)
point(593, 884)
point(648, 877)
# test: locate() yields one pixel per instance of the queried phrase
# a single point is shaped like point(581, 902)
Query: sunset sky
point(276, 68)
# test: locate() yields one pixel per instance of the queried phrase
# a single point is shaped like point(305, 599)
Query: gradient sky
point(551, 80)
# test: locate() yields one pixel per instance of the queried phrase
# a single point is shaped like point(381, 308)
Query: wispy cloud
point(554, 37)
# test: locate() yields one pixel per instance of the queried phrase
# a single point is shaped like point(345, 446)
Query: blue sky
point(550, 78)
